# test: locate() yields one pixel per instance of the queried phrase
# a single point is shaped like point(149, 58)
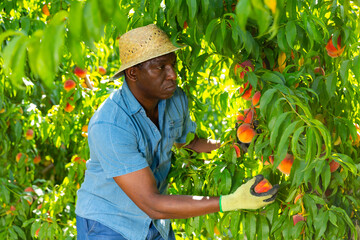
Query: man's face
point(156, 78)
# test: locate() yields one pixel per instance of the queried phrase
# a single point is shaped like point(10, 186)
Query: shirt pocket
point(175, 128)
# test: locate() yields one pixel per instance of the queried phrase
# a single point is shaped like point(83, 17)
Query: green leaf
point(331, 84)
point(344, 71)
point(263, 228)
point(265, 100)
point(250, 226)
point(243, 10)
point(19, 231)
point(272, 77)
point(291, 33)
point(275, 130)
point(192, 6)
point(355, 67)
point(283, 145)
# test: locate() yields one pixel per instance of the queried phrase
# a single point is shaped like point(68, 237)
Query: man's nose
point(171, 73)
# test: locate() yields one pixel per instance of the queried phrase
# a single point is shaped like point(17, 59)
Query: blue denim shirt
point(122, 139)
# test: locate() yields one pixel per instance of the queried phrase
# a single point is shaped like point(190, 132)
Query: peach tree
point(275, 80)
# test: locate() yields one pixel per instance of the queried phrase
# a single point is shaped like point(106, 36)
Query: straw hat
point(142, 44)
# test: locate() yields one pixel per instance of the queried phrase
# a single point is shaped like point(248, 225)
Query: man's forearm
point(203, 145)
point(182, 206)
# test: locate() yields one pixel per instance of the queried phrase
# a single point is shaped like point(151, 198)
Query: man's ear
point(131, 73)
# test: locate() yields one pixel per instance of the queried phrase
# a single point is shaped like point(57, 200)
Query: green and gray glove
point(246, 198)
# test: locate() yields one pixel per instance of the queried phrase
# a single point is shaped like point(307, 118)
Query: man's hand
point(200, 145)
point(246, 198)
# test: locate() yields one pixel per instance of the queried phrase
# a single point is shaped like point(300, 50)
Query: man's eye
point(161, 67)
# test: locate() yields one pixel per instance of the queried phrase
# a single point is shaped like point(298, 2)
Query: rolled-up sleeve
point(116, 148)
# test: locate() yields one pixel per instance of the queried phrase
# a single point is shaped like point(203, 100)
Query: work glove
point(246, 198)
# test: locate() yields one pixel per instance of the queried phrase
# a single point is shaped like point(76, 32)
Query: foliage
point(301, 111)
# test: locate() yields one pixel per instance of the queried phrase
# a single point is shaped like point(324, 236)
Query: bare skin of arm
point(140, 187)
point(201, 145)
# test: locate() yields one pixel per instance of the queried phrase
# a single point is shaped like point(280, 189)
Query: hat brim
point(120, 73)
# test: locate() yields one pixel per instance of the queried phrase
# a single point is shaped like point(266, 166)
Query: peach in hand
point(263, 186)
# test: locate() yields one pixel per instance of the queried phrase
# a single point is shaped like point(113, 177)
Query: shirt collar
point(133, 104)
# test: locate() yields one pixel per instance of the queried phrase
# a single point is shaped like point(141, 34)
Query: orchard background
point(301, 56)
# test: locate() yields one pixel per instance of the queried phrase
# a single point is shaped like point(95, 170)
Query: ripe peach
point(334, 165)
point(331, 50)
point(297, 218)
point(237, 150)
point(256, 99)
point(263, 186)
point(247, 94)
point(244, 67)
point(319, 71)
point(37, 159)
point(45, 10)
point(2, 110)
point(68, 108)
point(69, 84)
point(19, 155)
point(81, 73)
point(246, 116)
point(245, 133)
point(29, 134)
point(286, 164)
point(102, 70)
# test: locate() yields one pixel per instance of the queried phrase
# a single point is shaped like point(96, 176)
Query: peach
point(334, 165)
point(237, 150)
point(319, 71)
point(333, 51)
point(68, 108)
point(102, 70)
point(271, 4)
point(69, 84)
point(256, 99)
point(29, 135)
point(245, 133)
point(297, 218)
point(245, 91)
point(81, 73)
point(37, 159)
point(286, 164)
point(246, 116)
point(263, 186)
point(2, 110)
point(19, 156)
point(245, 67)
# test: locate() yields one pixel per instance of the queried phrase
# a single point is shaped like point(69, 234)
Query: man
point(130, 138)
